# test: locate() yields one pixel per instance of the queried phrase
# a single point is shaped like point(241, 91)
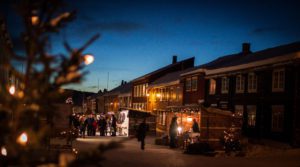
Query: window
point(252, 83)
point(225, 85)
point(251, 111)
point(164, 118)
point(135, 91)
point(239, 110)
point(277, 118)
point(188, 84)
point(194, 83)
point(240, 84)
point(278, 80)
point(212, 86)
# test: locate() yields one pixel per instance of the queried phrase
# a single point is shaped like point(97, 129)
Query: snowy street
point(153, 155)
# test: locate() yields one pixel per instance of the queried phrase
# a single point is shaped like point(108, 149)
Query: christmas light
point(34, 20)
point(3, 151)
point(22, 139)
point(12, 90)
point(88, 59)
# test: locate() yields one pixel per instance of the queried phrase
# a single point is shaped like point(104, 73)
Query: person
point(114, 125)
point(102, 126)
point(173, 132)
point(83, 124)
point(141, 133)
point(195, 126)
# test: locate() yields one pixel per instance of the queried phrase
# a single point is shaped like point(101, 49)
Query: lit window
point(239, 110)
point(251, 112)
point(240, 84)
point(135, 91)
point(194, 83)
point(277, 118)
point(225, 85)
point(278, 80)
point(188, 84)
point(212, 86)
point(252, 83)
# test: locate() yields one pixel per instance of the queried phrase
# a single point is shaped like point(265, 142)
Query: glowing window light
point(3, 151)
point(12, 90)
point(22, 139)
point(88, 59)
point(189, 119)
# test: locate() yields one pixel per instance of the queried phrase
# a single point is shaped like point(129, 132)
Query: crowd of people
point(89, 124)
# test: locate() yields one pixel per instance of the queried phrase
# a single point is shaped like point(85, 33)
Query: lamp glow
point(189, 119)
point(179, 129)
point(147, 94)
point(34, 20)
point(3, 151)
point(22, 139)
point(88, 59)
point(158, 95)
point(12, 90)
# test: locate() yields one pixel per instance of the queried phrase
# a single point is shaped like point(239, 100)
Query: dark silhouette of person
point(195, 126)
point(102, 126)
point(141, 133)
point(114, 125)
point(173, 132)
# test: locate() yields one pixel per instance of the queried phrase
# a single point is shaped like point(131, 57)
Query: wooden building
point(262, 87)
point(140, 85)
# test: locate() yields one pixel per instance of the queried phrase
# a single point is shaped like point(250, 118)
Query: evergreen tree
point(27, 103)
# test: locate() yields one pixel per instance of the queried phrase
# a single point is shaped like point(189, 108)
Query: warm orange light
point(189, 119)
point(3, 151)
point(88, 59)
point(22, 139)
point(147, 94)
point(34, 20)
point(158, 95)
point(12, 90)
point(179, 129)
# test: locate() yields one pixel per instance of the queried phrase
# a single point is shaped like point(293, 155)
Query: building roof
point(181, 65)
point(122, 89)
point(170, 78)
point(240, 58)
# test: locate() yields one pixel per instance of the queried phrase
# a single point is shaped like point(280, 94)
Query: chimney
point(174, 59)
point(246, 48)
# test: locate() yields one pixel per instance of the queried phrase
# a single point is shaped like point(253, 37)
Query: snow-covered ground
point(160, 156)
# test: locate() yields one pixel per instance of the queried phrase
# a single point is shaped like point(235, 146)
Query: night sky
point(138, 37)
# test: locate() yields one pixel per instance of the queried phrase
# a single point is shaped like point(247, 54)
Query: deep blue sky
point(138, 37)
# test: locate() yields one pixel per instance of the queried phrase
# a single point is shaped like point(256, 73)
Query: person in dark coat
point(114, 125)
point(141, 133)
point(195, 127)
point(173, 132)
point(102, 126)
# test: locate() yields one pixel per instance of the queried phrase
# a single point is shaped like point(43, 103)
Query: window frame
point(252, 83)
point(194, 83)
point(251, 122)
point(240, 84)
point(212, 86)
point(278, 83)
point(188, 84)
point(224, 85)
point(277, 118)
